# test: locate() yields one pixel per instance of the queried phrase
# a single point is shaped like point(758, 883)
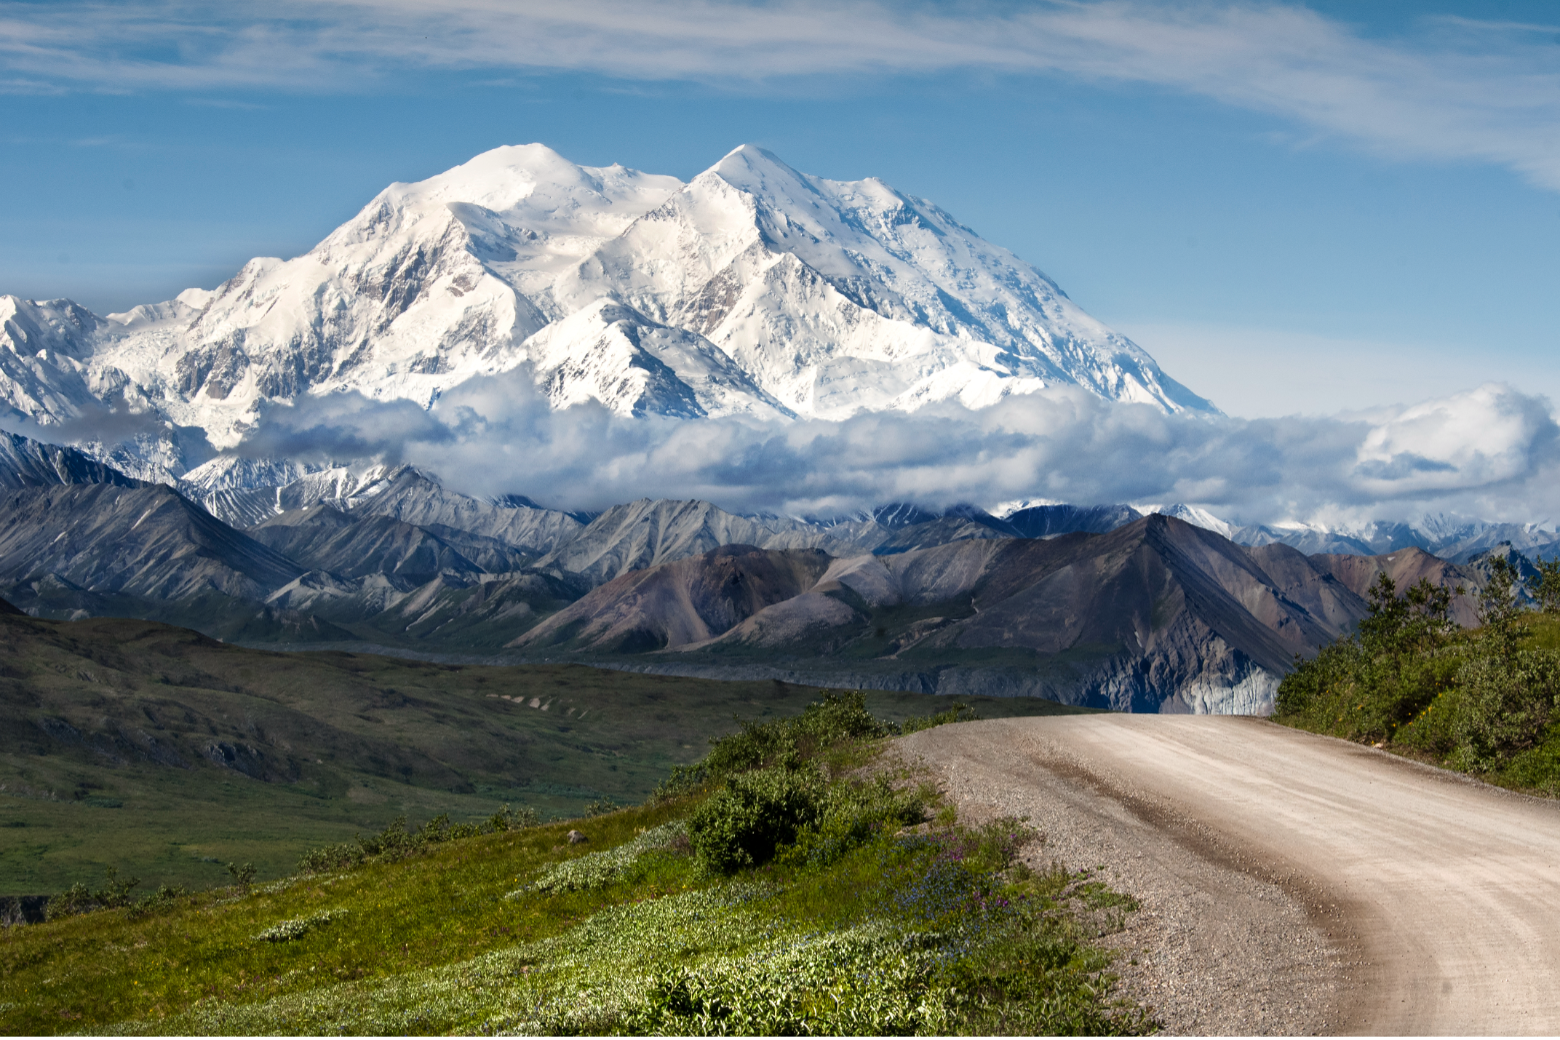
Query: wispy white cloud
point(1454, 89)
point(1492, 452)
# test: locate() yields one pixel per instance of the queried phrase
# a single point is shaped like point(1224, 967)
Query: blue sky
point(1296, 208)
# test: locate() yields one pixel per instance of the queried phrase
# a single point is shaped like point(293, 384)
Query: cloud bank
point(1455, 89)
point(1492, 452)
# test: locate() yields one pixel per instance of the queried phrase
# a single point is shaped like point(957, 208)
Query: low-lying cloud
point(1492, 452)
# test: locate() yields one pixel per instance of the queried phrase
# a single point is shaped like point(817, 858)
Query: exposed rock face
point(689, 601)
point(1049, 521)
point(322, 538)
point(1407, 567)
point(25, 462)
point(246, 493)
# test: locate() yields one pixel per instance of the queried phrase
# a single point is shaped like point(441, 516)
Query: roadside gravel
point(1214, 949)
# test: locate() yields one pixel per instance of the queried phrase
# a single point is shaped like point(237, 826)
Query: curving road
point(1439, 897)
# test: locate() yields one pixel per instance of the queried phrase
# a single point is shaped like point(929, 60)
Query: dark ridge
point(1048, 521)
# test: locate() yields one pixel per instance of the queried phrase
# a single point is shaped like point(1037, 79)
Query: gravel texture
point(1220, 945)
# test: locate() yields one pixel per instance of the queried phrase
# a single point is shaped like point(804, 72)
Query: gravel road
point(1289, 883)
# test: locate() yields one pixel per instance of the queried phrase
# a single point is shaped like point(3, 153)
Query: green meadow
point(115, 730)
point(791, 881)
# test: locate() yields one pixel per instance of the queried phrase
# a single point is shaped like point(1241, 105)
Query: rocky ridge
point(1153, 613)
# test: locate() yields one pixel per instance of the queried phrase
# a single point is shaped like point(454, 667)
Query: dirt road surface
point(1289, 883)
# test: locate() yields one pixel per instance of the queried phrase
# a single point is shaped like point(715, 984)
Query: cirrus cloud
point(1456, 89)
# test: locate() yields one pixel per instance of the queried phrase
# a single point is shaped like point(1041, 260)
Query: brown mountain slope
point(1157, 615)
point(1406, 567)
point(686, 601)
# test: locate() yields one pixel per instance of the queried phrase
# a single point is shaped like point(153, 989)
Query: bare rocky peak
point(25, 462)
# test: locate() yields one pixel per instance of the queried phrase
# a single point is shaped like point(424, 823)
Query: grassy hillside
point(775, 889)
point(168, 755)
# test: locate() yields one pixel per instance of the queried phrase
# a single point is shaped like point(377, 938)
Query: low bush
point(957, 712)
point(597, 870)
point(756, 812)
point(78, 899)
point(290, 931)
point(396, 842)
point(852, 813)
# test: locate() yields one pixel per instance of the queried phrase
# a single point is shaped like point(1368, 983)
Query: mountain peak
point(755, 289)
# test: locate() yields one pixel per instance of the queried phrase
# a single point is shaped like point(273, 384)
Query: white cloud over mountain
point(1492, 452)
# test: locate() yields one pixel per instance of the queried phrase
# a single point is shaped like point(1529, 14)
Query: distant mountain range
point(753, 289)
point(1092, 605)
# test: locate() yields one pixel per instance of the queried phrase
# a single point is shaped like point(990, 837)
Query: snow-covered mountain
point(753, 289)
point(1454, 538)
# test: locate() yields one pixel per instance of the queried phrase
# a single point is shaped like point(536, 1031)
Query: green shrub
point(834, 719)
point(957, 712)
point(165, 898)
point(1486, 701)
point(873, 980)
point(78, 899)
point(753, 815)
point(1505, 707)
point(396, 842)
point(852, 813)
point(1433, 729)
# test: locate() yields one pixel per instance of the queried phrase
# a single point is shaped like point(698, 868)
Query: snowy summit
point(753, 289)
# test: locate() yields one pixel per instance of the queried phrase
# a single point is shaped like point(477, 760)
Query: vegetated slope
point(1485, 701)
point(155, 749)
point(771, 890)
point(1158, 615)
